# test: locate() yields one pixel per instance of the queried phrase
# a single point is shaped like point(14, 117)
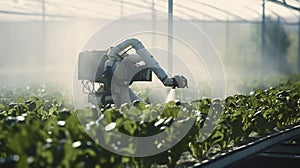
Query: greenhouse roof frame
point(212, 11)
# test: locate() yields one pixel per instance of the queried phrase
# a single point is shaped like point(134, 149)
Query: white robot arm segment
point(147, 58)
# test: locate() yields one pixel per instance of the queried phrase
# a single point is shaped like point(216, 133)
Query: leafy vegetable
point(39, 127)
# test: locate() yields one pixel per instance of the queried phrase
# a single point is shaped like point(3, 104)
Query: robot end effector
point(177, 81)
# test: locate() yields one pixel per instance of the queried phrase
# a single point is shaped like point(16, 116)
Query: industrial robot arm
point(177, 81)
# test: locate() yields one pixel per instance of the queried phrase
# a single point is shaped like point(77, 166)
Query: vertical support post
point(278, 55)
point(121, 8)
point(298, 62)
point(263, 40)
point(226, 57)
point(227, 42)
point(170, 36)
point(43, 47)
point(153, 23)
point(43, 11)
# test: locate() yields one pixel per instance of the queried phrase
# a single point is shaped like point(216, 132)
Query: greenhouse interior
point(233, 100)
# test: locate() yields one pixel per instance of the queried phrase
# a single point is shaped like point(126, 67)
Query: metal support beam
point(121, 8)
point(298, 62)
point(226, 59)
point(283, 3)
point(263, 40)
point(43, 36)
point(33, 14)
point(170, 36)
point(247, 151)
point(153, 23)
point(278, 47)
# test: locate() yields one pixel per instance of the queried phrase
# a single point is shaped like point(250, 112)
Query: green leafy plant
point(39, 128)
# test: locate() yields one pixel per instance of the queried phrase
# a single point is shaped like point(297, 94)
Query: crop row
point(39, 128)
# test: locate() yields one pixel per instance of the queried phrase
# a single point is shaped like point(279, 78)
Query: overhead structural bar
point(222, 10)
point(33, 14)
point(283, 3)
point(194, 10)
